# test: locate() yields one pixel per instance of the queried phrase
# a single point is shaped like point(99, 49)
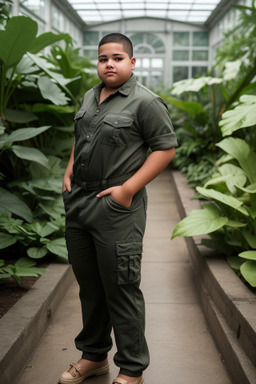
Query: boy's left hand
point(119, 195)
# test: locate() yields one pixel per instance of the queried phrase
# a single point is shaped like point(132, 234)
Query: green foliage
point(22, 267)
point(39, 95)
point(230, 218)
point(229, 104)
point(197, 106)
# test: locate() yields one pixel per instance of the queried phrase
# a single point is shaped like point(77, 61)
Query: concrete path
point(182, 349)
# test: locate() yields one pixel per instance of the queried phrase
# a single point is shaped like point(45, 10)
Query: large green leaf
point(58, 247)
point(244, 115)
point(56, 109)
point(44, 229)
point(60, 79)
point(231, 175)
point(248, 271)
point(31, 154)
point(232, 69)
point(241, 151)
point(191, 107)
point(250, 255)
point(224, 199)
point(47, 39)
point(194, 85)
point(16, 38)
point(12, 204)
point(50, 184)
point(51, 91)
point(234, 176)
point(6, 240)
point(36, 253)
point(249, 189)
point(26, 133)
point(200, 222)
point(21, 117)
point(26, 66)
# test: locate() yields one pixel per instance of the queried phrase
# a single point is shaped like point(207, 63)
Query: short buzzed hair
point(118, 38)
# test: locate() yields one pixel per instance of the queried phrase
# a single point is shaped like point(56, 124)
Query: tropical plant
point(22, 267)
point(202, 101)
point(230, 219)
point(39, 95)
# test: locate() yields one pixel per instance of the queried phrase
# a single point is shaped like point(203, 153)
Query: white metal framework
point(189, 11)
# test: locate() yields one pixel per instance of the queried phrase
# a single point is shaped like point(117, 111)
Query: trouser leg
point(118, 241)
point(94, 340)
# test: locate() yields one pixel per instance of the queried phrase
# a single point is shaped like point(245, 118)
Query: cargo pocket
point(128, 261)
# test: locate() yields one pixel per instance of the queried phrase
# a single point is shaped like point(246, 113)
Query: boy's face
point(114, 65)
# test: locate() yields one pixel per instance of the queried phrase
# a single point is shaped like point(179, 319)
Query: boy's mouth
point(110, 73)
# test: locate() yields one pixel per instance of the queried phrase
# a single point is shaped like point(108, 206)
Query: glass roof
point(98, 11)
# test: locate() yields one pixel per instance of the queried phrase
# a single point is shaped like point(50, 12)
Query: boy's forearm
point(153, 166)
point(69, 169)
point(66, 185)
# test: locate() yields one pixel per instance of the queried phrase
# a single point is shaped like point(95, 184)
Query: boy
point(105, 202)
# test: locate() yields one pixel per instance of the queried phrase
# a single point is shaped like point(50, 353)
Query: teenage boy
point(105, 202)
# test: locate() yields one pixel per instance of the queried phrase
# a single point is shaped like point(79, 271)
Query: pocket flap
point(129, 248)
point(118, 121)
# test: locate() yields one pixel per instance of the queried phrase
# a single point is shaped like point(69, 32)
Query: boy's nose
point(109, 63)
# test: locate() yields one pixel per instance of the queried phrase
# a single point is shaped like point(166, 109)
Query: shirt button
point(116, 122)
point(87, 137)
point(82, 164)
point(97, 110)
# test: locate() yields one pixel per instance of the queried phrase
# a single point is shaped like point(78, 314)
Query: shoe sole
point(96, 372)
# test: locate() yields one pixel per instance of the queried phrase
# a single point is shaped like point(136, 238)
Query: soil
point(10, 292)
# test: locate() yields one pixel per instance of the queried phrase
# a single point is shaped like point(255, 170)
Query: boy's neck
point(106, 92)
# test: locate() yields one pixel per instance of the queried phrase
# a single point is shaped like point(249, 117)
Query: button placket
point(89, 139)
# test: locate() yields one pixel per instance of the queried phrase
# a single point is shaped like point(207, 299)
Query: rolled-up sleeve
point(157, 126)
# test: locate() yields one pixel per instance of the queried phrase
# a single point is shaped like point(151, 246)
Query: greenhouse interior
point(196, 59)
point(173, 40)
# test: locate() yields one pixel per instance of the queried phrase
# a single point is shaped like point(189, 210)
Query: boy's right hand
point(66, 184)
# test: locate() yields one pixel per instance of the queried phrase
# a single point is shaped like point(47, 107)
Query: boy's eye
point(118, 58)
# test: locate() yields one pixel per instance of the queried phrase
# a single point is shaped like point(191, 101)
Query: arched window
point(149, 51)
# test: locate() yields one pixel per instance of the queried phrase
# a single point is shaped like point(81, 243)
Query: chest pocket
point(115, 130)
point(78, 122)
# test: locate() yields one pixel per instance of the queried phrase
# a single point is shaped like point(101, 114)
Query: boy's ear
point(133, 62)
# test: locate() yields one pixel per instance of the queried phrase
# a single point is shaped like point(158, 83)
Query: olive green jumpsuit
point(104, 238)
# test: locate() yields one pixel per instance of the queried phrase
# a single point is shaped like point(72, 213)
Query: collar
point(125, 89)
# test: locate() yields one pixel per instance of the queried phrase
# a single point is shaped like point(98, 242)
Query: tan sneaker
point(76, 373)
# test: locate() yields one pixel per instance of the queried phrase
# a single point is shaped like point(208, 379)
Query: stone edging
point(228, 305)
point(22, 327)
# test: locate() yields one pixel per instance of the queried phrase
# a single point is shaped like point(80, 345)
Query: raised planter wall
point(228, 304)
point(22, 327)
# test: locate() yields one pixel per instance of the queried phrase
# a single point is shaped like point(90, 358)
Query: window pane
point(36, 6)
point(200, 55)
point(156, 79)
point(57, 18)
point(138, 63)
point(91, 38)
point(180, 73)
point(199, 71)
point(157, 63)
point(200, 39)
point(142, 49)
point(179, 55)
point(137, 39)
point(145, 63)
point(91, 54)
point(181, 39)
